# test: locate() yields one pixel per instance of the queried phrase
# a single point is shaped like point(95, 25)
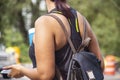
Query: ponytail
point(61, 6)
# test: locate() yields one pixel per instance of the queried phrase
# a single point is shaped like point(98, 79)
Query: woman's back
point(63, 51)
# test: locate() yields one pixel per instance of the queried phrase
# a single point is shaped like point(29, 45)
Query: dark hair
point(61, 6)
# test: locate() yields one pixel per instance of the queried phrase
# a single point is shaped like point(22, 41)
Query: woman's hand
point(15, 71)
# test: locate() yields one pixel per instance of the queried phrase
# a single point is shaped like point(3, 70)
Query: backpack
point(83, 65)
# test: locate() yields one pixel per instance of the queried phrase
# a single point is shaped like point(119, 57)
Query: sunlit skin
point(48, 38)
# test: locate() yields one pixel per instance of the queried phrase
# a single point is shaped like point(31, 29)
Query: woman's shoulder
point(44, 21)
point(46, 24)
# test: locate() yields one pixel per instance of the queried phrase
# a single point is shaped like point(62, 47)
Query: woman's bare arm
point(93, 45)
point(30, 73)
point(45, 48)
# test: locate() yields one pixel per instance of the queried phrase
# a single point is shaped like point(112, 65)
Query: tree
point(13, 15)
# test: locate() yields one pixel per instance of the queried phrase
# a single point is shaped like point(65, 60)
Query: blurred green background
point(17, 16)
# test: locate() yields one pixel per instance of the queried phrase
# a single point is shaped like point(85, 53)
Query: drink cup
point(30, 35)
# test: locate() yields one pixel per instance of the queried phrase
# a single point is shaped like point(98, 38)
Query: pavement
point(106, 77)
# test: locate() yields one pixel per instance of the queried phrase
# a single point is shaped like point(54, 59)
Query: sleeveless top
point(63, 56)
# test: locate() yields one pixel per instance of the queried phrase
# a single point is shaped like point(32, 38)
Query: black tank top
point(63, 56)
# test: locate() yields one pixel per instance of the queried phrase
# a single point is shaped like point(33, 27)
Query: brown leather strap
point(85, 38)
point(65, 31)
point(58, 75)
point(84, 29)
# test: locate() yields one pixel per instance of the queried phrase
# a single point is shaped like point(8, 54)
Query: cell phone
point(5, 74)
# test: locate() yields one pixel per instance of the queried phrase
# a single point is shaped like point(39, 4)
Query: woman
point(50, 46)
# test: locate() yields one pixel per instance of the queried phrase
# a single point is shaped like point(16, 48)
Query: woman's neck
point(50, 5)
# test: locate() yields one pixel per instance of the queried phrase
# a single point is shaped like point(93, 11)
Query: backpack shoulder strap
point(85, 38)
point(65, 32)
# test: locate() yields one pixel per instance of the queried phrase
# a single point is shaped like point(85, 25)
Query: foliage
point(24, 57)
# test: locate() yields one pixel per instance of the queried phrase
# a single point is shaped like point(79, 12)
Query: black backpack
point(84, 65)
